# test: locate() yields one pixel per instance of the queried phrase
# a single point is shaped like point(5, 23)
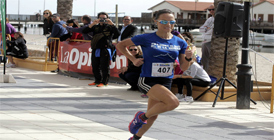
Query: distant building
point(185, 9)
point(263, 10)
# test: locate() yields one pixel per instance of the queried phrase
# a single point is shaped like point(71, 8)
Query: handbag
point(95, 40)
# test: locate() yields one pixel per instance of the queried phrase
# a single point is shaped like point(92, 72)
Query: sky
point(132, 8)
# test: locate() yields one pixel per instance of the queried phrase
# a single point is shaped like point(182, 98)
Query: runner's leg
point(150, 121)
point(167, 101)
point(160, 100)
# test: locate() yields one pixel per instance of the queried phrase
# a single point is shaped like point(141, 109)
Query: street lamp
point(44, 5)
point(18, 15)
point(95, 8)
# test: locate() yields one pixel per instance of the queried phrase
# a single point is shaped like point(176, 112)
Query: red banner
point(76, 57)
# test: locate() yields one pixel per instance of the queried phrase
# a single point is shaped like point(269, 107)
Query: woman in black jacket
point(48, 23)
point(131, 73)
point(16, 48)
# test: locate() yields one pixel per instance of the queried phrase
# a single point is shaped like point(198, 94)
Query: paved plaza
point(49, 106)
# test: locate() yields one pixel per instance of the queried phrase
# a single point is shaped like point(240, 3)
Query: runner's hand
point(138, 62)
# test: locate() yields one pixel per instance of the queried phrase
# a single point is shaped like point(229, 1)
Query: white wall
point(263, 8)
point(166, 5)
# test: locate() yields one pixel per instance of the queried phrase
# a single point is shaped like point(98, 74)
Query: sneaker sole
point(132, 121)
point(93, 85)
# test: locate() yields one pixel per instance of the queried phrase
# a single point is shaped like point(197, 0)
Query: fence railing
point(272, 91)
point(1, 46)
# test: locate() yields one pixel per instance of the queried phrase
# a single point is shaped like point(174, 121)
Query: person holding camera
point(102, 48)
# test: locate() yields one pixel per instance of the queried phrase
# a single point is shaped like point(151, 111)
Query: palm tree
point(216, 60)
point(64, 8)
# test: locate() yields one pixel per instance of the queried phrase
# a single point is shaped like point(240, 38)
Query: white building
point(185, 9)
point(263, 10)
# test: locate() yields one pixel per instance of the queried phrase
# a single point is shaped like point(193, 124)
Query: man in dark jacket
point(102, 49)
point(127, 30)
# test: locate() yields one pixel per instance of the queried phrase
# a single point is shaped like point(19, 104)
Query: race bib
point(162, 69)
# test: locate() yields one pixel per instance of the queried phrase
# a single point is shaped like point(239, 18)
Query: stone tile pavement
point(47, 106)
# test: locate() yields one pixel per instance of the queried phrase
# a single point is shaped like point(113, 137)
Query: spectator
point(71, 35)
point(16, 48)
point(10, 29)
point(102, 48)
point(57, 29)
point(259, 20)
point(194, 75)
point(189, 35)
point(196, 57)
point(127, 30)
point(57, 32)
point(207, 30)
point(86, 20)
point(177, 71)
point(38, 16)
point(131, 73)
point(174, 32)
point(48, 23)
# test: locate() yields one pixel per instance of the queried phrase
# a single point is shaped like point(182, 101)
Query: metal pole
point(18, 15)
point(244, 70)
point(4, 37)
point(116, 15)
point(44, 5)
point(95, 8)
point(272, 91)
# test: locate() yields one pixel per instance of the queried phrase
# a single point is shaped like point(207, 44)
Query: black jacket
point(132, 67)
point(110, 31)
point(47, 27)
point(17, 48)
point(129, 32)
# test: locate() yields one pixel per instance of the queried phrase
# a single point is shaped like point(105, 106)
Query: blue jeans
point(131, 78)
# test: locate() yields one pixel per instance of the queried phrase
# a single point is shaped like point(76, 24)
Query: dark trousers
point(189, 82)
point(131, 78)
point(100, 66)
point(53, 50)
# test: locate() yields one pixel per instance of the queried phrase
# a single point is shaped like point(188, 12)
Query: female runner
point(160, 49)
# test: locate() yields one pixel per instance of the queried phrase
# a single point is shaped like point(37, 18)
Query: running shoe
point(136, 123)
point(93, 84)
point(10, 65)
point(144, 96)
point(131, 138)
point(101, 85)
point(180, 97)
point(189, 99)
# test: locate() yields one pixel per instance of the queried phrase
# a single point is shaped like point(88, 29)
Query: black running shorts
point(146, 83)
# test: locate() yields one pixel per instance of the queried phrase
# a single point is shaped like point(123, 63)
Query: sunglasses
point(165, 22)
point(127, 19)
point(133, 50)
point(45, 13)
point(210, 9)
